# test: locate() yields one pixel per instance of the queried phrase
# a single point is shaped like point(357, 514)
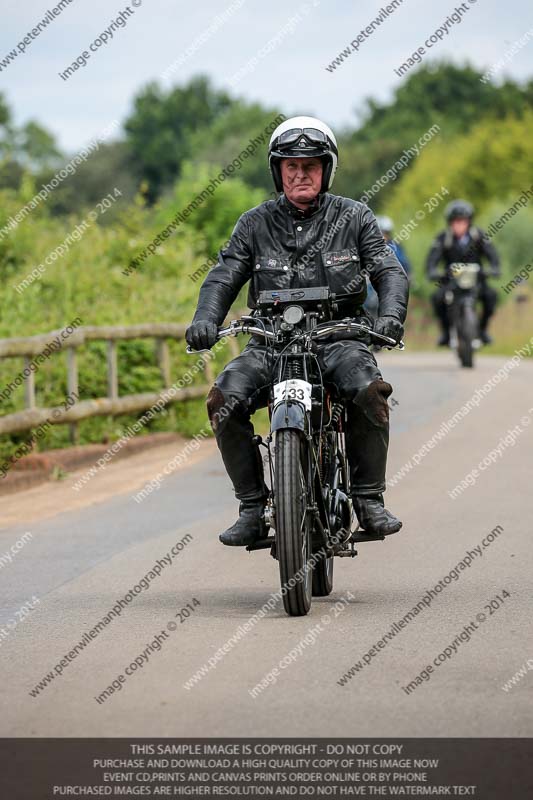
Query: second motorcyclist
point(462, 242)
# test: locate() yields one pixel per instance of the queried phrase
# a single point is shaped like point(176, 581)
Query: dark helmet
point(303, 137)
point(458, 209)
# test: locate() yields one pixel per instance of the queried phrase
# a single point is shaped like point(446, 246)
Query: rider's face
point(301, 178)
point(460, 227)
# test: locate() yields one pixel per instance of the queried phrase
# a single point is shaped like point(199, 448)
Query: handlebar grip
point(221, 333)
point(190, 351)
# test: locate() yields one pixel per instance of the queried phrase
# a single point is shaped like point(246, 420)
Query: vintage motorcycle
point(461, 295)
point(309, 508)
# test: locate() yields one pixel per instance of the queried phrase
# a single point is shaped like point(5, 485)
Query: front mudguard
point(289, 415)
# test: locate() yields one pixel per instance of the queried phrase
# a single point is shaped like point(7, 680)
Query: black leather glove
point(201, 335)
point(389, 326)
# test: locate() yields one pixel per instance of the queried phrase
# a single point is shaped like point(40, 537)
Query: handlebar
point(238, 326)
point(444, 275)
point(348, 326)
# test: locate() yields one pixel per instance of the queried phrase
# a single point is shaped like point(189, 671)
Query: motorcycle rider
point(386, 227)
point(306, 237)
point(466, 243)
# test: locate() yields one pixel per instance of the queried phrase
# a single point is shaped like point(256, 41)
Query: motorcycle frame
point(292, 414)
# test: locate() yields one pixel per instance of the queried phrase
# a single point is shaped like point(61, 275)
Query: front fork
point(452, 312)
point(290, 416)
point(456, 306)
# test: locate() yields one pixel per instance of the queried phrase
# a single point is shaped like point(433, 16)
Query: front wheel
point(466, 335)
point(293, 521)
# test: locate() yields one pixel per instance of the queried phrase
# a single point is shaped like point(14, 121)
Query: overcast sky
point(310, 34)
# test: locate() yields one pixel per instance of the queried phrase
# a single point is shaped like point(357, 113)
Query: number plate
point(293, 390)
point(466, 275)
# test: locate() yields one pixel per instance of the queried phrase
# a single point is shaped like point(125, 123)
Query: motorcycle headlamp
point(293, 314)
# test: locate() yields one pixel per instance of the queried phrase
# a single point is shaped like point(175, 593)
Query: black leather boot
point(484, 334)
point(489, 304)
point(367, 440)
point(373, 516)
point(441, 312)
point(249, 528)
point(444, 338)
point(234, 435)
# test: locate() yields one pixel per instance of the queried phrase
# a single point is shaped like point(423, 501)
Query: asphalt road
point(88, 549)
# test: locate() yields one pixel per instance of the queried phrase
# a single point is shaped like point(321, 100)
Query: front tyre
point(293, 521)
point(466, 335)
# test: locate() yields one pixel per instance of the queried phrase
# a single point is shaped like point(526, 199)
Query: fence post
point(234, 346)
point(29, 391)
point(29, 385)
point(163, 360)
point(208, 369)
point(72, 388)
point(112, 370)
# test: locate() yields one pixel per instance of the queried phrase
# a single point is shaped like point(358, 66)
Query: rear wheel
point(323, 566)
point(339, 510)
point(322, 575)
point(293, 521)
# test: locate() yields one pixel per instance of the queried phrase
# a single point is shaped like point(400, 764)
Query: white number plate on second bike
point(293, 389)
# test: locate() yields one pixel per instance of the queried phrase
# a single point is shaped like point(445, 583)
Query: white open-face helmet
point(386, 225)
point(303, 137)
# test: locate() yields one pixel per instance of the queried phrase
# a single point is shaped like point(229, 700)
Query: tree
point(109, 167)
point(229, 134)
point(451, 96)
point(36, 147)
point(6, 135)
point(160, 127)
point(487, 166)
point(438, 93)
point(30, 148)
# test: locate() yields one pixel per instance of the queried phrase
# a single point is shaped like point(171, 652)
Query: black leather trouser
point(243, 385)
point(487, 296)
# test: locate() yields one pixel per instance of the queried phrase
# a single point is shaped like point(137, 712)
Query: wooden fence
point(30, 347)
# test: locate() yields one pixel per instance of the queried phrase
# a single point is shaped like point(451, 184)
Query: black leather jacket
point(476, 249)
point(277, 246)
